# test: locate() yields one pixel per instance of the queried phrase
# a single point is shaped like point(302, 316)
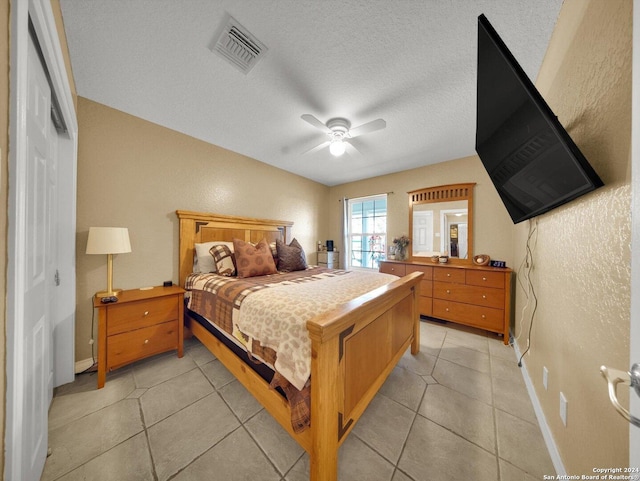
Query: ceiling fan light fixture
point(337, 147)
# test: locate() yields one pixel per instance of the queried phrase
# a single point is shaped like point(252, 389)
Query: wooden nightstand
point(142, 323)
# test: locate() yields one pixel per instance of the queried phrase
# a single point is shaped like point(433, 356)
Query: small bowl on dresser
point(443, 259)
point(435, 259)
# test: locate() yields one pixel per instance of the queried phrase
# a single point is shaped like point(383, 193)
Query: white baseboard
point(542, 421)
point(83, 365)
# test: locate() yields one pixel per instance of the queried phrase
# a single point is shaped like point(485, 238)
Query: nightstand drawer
point(139, 314)
point(131, 346)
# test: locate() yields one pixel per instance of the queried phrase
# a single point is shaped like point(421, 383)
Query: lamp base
point(114, 292)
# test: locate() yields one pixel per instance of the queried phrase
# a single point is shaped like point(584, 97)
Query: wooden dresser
point(476, 296)
point(142, 323)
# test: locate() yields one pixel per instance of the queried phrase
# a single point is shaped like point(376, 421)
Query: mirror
point(441, 222)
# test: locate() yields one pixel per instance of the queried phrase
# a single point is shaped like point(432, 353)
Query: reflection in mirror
point(440, 220)
point(440, 229)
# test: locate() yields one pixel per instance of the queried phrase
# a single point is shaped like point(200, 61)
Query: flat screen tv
point(532, 161)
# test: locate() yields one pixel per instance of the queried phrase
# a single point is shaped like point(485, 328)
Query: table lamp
point(108, 240)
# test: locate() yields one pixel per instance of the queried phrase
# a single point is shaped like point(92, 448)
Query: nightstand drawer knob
point(484, 278)
point(146, 341)
point(448, 291)
point(146, 313)
point(448, 275)
point(483, 316)
point(484, 296)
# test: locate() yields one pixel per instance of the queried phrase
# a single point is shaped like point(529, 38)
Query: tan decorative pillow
point(291, 257)
point(224, 260)
point(253, 260)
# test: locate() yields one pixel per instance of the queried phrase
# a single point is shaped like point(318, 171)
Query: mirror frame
point(443, 193)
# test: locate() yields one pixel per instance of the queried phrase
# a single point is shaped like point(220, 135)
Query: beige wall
point(135, 174)
point(4, 144)
point(490, 216)
point(581, 271)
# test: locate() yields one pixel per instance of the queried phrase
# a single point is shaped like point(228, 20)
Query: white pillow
point(203, 261)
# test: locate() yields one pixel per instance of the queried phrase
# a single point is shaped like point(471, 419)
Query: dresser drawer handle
point(146, 341)
point(484, 296)
point(146, 313)
point(448, 275)
point(448, 291)
point(446, 309)
point(483, 316)
point(484, 278)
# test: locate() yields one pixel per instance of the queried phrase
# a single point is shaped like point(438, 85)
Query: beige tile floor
point(458, 410)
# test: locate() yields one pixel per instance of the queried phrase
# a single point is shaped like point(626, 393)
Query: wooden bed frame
point(354, 347)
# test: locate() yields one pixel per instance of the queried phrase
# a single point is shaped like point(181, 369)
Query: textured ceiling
point(410, 62)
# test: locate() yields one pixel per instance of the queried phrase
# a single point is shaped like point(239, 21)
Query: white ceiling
point(410, 62)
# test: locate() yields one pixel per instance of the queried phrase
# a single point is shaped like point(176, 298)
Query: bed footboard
point(354, 348)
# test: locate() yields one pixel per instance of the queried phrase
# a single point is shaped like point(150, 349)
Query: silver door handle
point(615, 377)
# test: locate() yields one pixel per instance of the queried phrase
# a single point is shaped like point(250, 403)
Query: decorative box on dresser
point(330, 259)
point(477, 296)
point(142, 323)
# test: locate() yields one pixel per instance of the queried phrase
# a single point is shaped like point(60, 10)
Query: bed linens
point(277, 317)
point(273, 310)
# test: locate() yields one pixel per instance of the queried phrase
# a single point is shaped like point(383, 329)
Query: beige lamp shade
point(108, 240)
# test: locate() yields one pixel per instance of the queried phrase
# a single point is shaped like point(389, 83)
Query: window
point(367, 231)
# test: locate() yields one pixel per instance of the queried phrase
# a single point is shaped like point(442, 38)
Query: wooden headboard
point(197, 227)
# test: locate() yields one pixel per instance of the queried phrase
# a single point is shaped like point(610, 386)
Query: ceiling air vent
point(238, 46)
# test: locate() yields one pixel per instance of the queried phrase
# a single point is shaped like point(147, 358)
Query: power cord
point(530, 291)
point(93, 357)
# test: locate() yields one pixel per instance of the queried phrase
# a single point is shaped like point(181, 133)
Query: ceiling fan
point(339, 131)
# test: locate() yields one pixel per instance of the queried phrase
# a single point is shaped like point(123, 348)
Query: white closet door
point(39, 281)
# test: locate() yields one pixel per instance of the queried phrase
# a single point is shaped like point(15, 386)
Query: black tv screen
point(532, 161)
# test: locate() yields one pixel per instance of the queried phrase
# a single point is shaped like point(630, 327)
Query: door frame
point(634, 328)
point(41, 14)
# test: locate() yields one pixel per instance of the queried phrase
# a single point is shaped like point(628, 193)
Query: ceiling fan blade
point(352, 150)
point(315, 122)
point(317, 148)
point(368, 127)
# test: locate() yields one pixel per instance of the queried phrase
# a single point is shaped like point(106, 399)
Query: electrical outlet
point(563, 409)
point(545, 377)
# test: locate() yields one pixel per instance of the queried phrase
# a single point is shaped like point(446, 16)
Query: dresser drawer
point(137, 344)
point(477, 316)
point(426, 270)
point(393, 268)
point(426, 288)
point(485, 278)
point(425, 306)
point(143, 313)
point(481, 296)
point(448, 274)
